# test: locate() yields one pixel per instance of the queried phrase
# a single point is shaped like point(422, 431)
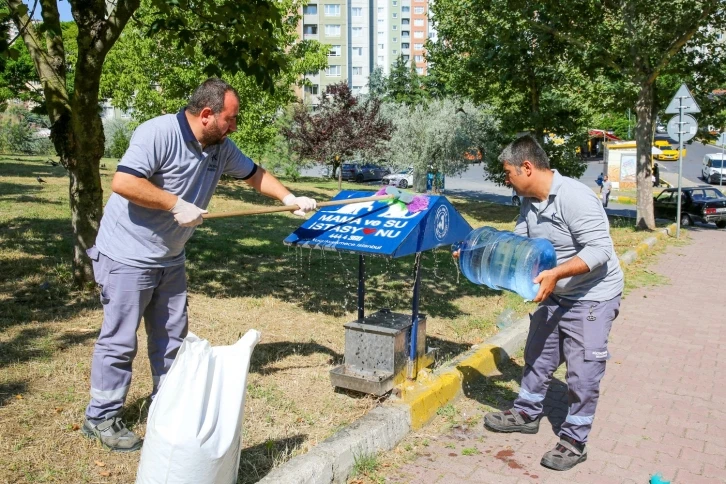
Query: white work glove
point(187, 214)
point(306, 204)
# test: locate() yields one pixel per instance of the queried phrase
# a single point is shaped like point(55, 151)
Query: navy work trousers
point(159, 295)
point(574, 332)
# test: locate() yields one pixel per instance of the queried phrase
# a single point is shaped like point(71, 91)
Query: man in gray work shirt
point(578, 300)
point(162, 186)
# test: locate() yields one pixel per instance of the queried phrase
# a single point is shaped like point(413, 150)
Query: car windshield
point(665, 147)
point(716, 163)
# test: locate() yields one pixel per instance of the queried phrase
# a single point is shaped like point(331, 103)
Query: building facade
point(363, 35)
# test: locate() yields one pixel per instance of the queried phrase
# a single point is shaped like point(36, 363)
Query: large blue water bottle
point(504, 260)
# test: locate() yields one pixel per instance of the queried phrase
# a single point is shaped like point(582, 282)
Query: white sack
point(195, 422)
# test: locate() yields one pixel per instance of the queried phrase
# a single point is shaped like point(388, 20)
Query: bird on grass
point(40, 180)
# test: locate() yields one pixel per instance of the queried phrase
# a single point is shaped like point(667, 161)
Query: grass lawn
point(241, 276)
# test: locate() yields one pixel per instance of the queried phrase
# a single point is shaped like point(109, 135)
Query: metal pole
point(361, 286)
point(680, 165)
point(411, 367)
point(720, 172)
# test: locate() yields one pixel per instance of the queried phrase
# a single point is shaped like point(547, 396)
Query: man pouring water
point(578, 300)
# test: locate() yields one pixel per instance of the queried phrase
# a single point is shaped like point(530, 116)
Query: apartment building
point(363, 35)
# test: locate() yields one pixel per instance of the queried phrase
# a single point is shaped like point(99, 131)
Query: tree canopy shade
point(234, 36)
point(342, 127)
point(148, 77)
point(566, 54)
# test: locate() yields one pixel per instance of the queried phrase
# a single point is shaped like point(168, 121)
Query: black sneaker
point(510, 421)
point(113, 435)
point(566, 454)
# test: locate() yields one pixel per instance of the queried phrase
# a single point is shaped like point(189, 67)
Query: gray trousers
point(575, 332)
point(159, 295)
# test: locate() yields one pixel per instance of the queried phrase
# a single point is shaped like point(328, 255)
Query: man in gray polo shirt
point(578, 300)
point(162, 186)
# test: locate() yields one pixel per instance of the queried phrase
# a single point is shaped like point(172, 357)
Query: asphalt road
point(473, 184)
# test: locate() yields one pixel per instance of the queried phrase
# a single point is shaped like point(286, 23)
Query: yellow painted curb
point(432, 391)
point(425, 396)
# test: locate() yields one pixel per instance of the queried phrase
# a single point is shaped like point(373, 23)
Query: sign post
point(722, 142)
point(686, 129)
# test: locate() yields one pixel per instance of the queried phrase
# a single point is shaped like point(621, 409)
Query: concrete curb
point(632, 255)
point(384, 427)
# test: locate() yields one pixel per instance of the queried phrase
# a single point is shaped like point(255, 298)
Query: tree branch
point(116, 22)
point(607, 57)
point(54, 37)
point(680, 42)
point(21, 30)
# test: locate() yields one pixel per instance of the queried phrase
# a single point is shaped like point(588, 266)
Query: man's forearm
point(573, 267)
point(141, 191)
point(267, 184)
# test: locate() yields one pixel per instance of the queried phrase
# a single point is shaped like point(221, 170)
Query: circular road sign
point(688, 128)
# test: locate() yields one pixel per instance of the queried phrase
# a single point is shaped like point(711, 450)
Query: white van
point(714, 168)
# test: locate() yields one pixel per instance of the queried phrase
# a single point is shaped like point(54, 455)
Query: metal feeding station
point(385, 348)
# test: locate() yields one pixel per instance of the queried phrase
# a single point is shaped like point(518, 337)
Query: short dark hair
point(210, 94)
point(525, 148)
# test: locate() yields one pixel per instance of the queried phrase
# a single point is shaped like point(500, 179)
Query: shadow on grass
point(35, 273)
point(258, 460)
point(268, 353)
point(10, 390)
point(494, 392)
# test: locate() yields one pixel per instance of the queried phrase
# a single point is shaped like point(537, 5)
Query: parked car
point(704, 204)
point(363, 172)
point(667, 152)
point(660, 128)
point(402, 179)
point(714, 168)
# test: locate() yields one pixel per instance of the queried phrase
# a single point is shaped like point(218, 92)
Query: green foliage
point(377, 84)
point(617, 123)
point(19, 133)
point(119, 144)
point(277, 156)
point(150, 78)
point(231, 36)
point(402, 86)
point(19, 78)
point(434, 137)
point(486, 53)
point(118, 135)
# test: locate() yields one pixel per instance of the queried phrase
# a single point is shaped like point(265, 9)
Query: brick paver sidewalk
point(662, 407)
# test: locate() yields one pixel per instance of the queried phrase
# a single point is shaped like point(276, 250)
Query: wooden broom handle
point(292, 208)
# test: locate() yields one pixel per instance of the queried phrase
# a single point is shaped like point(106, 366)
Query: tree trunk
point(645, 218)
point(419, 180)
point(84, 156)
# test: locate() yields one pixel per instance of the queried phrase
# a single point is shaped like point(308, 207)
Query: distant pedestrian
point(599, 180)
point(605, 190)
point(656, 175)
